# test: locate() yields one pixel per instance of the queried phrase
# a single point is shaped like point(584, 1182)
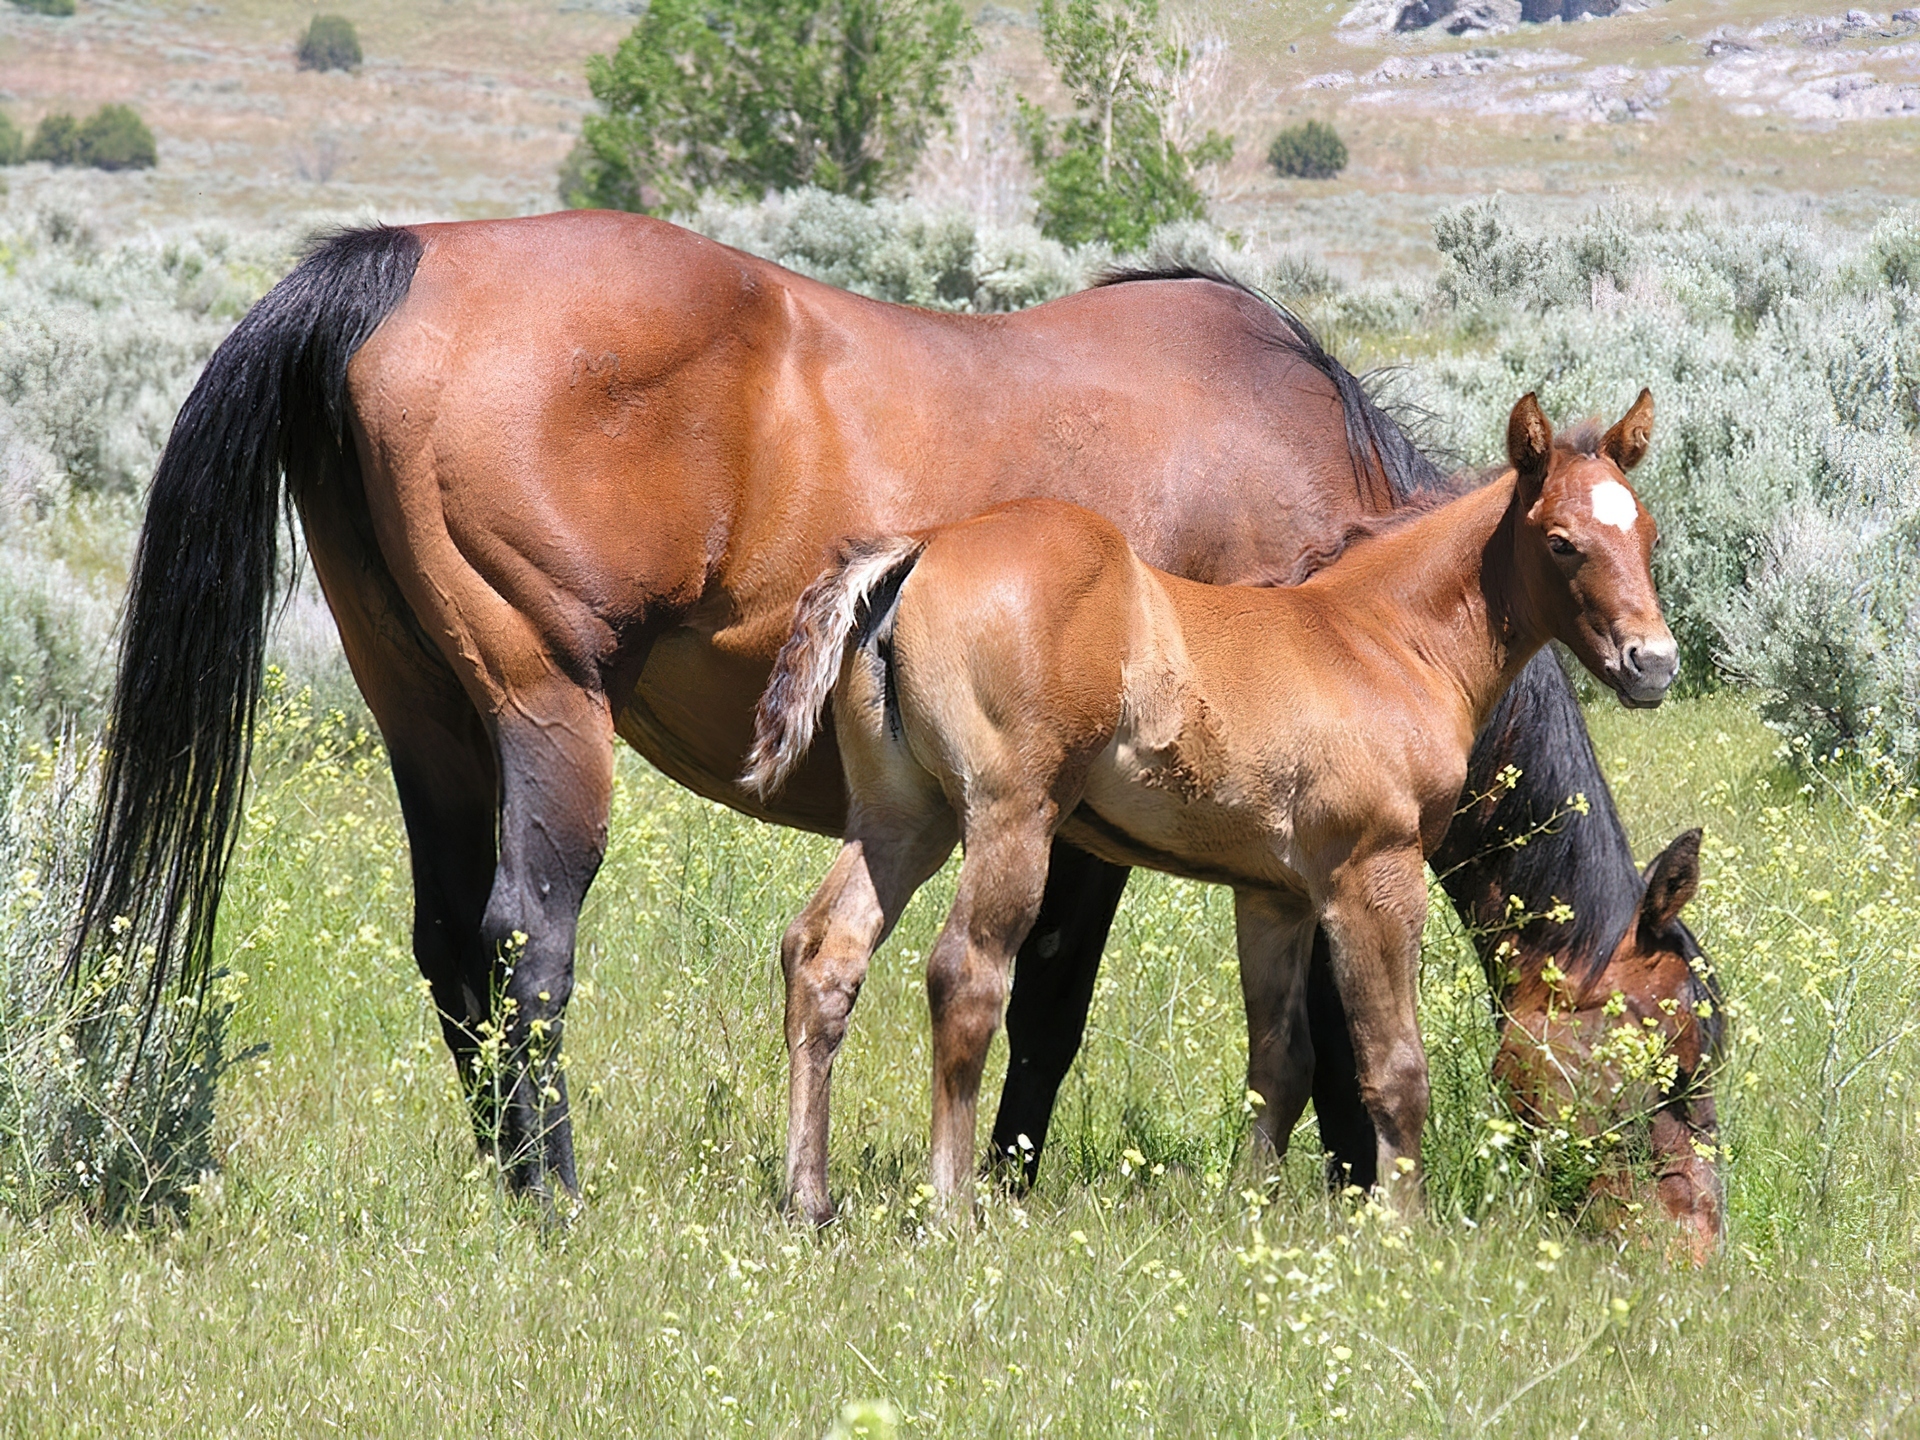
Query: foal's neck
point(1443, 584)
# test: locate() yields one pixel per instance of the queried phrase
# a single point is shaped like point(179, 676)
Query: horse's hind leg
point(1274, 941)
point(1001, 882)
point(555, 750)
point(1052, 989)
point(443, 769)
point(824, 957)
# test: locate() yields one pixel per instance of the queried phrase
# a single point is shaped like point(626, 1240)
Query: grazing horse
point(1025, 675)
point(563, 478)
point(1592, 947)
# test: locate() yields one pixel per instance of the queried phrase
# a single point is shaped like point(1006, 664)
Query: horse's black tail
point(200, 602)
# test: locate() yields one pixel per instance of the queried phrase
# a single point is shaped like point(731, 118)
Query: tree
point(747, 96)
point(1118, 167)
point(1312, 150)
point(56, 140)
point(331, 43)
point(13, 145)
point(114, 137)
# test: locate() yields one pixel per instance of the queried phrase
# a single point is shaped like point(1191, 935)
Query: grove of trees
point(734, 99)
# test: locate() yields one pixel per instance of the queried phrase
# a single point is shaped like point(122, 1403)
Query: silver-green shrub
point(88, 1114)
point(1785, 363)
point(99, 345)
point(899, 250)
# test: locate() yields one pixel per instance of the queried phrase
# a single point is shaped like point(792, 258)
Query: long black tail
point(201, 600)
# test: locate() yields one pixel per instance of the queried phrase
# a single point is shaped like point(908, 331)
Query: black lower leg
point(556, 780)
point(1053, 981)
point(1346, 1130)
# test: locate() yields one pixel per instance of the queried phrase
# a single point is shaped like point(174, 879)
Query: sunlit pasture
point(350, 1265)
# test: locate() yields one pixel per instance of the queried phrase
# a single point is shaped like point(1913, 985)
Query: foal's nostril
point(1650, 662)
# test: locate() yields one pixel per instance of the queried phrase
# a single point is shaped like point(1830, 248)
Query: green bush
point(330, 43)
point(740, 97)
point(1117, 169)
point(116, 138)
point(1312, 150)
point(45, 7)
point(56, 140)
point(13, 145)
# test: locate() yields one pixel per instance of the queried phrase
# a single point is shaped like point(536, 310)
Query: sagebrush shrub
point(13, 145)
point(88, 1115)
point(331, 43)
point(1311, 150)
point(898, 250)
point(45, 7)
point(1785, 363)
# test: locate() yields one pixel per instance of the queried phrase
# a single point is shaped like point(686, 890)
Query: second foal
point(1023, 674)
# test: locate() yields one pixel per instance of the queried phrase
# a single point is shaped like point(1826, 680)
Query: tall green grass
point(349, 1266)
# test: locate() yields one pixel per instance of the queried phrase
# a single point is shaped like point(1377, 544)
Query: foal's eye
point(1560, 545)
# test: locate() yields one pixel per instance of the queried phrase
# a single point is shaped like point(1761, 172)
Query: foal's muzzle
point(1645, 667)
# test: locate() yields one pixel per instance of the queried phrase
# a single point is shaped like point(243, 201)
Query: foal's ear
point(1529, 447)
point(1626, 443)
point(1673, 878)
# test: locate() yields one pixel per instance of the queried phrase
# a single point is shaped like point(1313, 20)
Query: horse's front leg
point(1274, 934)
point(1374, 906)
point(556, 781)
point(1053, 980)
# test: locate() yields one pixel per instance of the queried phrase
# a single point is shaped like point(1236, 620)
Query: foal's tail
point(849, 601)
point(273, 397)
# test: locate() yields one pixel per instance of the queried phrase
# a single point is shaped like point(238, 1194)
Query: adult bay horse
point(1023, 675)
point(564, 478)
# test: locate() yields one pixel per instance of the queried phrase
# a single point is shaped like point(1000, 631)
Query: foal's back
point(1206, 731)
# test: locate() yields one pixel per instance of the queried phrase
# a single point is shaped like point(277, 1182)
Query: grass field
point(351, 1268)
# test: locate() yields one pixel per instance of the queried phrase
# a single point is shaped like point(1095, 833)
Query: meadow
point(348, 1264)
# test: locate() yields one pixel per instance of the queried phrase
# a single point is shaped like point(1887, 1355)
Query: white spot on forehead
point(1613, 504)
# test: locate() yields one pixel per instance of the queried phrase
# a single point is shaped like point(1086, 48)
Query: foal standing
point(1024, 674)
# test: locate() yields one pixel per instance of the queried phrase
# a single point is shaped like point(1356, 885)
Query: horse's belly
point(689, 711)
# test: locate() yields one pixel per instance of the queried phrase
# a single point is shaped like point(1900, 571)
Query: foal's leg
point(556, 764)
point(1373, 908)
point(824, 957)
point(1001, 882)
point(1052, 989)
point(1274, 938)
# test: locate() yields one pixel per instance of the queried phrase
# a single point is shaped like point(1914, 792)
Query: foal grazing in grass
point(1024, 674)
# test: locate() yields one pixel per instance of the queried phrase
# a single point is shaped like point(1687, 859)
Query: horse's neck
point(1442, 586)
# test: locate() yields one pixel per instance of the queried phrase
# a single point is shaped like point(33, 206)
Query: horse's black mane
point(1372, 434)
point(1581, 860)
point(1530, 842)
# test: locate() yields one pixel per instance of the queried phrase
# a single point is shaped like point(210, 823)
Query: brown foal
point(1024, 674)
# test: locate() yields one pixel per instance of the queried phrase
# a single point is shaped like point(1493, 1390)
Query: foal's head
point(1583, 549)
